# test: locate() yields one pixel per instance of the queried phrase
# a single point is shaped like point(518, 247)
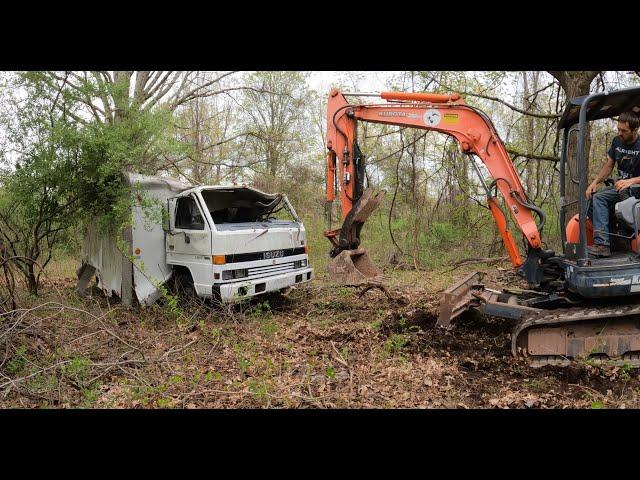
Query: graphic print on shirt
point(627, 157)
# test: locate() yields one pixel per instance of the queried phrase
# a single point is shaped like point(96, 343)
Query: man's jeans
point(599, 208)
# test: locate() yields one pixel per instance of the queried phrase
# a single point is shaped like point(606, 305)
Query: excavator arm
point(448, 114)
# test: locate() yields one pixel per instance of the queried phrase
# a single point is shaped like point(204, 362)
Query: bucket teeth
point(353, 267)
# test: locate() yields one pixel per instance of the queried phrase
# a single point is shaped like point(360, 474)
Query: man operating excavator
point(625, 153)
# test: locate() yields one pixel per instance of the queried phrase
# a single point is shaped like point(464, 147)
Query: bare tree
point(109, 96)
point(275, 121)
point(206, 125)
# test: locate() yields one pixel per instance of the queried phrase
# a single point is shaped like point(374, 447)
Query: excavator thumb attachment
point(351, 264)
point(369, 201)
point(352, 267)
point(347, 237)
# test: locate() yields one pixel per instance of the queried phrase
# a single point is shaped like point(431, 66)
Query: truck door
point(189, 241)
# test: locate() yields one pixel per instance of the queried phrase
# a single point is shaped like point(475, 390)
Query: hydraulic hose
point(524, 203)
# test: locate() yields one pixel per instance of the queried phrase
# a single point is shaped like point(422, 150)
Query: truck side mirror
point(169, 215)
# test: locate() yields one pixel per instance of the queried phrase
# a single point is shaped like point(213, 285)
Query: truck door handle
point(186, 238)
point(170, 247)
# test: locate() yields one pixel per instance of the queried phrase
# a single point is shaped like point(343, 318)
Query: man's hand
point(591, 189)
point(622, 184)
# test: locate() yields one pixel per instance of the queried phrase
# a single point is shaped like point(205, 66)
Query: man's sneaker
point(599, 250)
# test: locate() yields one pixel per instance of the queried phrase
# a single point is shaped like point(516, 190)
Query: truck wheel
point(184, 286)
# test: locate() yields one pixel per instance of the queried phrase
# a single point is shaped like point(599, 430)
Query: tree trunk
point(528, 104)
point(32, 282)
point(575, 84)
point(458, 183)
point(122, 82)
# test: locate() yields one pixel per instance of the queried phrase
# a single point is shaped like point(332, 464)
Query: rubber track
point(568, 316)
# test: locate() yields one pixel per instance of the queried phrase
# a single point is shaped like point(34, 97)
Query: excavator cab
point(619, 274)
point(592, 315)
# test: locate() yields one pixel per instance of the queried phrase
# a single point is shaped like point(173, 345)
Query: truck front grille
point(271, 269)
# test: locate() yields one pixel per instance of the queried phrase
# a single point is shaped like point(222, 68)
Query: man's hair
point(631, 118)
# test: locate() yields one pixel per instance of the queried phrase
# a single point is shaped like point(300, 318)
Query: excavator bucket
point(352, 267)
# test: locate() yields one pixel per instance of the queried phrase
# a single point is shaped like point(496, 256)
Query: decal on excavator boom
point(432, 117)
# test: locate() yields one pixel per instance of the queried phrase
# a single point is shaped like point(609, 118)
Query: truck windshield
point(242, 205)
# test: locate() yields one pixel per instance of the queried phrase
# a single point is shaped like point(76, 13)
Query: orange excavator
point(572, 308)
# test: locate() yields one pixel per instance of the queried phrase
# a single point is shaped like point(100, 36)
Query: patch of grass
point(77, 370)
point(335, 304)
point(535, 383)
point(145, 394)
point(625, 371)
point(17, 362)
point(63, 266)
point(344, 292)
point(597, 405)
point(212, 334)
point(344, 351)
point(244, 364)
point(165, 402)
point(260, 309)
point(259, 388)
point(41, 382)
point(268, 327)
point(90, 394)
point(140, 394)
point(394, 344)
point(213, 376)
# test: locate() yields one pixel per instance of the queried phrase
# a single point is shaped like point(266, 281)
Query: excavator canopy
point(610, 105)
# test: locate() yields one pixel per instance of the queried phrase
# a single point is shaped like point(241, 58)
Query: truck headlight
point(232, 274)
point(300, 263)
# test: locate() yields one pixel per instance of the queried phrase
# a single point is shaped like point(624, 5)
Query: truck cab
point(233, 242)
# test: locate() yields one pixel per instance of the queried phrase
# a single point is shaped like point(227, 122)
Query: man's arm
point(602, 175)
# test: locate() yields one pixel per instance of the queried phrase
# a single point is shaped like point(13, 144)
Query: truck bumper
point(228, 292)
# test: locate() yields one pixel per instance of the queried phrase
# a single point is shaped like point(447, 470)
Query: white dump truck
point(220, 242)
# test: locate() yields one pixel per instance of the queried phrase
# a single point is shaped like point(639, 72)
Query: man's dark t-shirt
point(627, 157)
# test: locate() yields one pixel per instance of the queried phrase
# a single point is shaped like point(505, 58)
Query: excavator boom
point(448, 114)
point(573, 309)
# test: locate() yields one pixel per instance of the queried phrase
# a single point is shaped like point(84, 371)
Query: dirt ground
point(320, 346)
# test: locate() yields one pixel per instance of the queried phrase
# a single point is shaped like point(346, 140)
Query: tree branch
point(532, 156)
point(494, 99)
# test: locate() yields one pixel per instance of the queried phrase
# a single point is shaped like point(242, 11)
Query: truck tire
point(184, 287)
